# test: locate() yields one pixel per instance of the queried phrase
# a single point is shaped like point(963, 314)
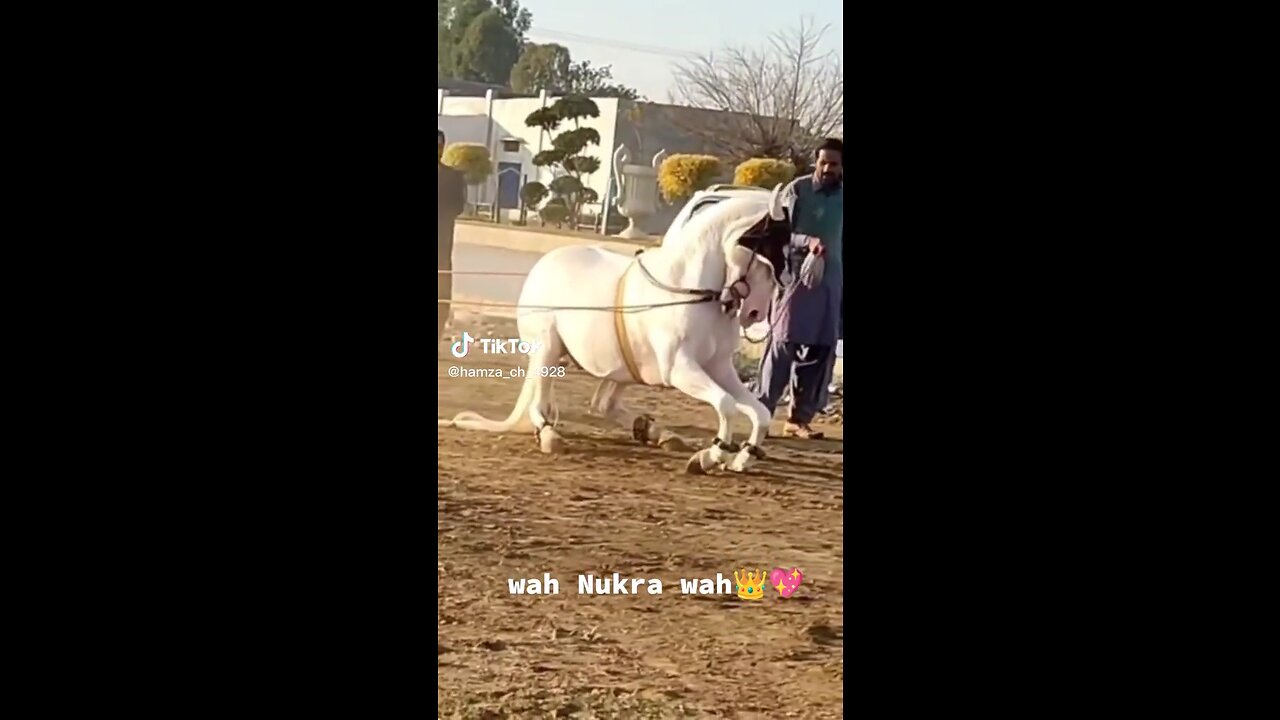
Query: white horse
point(607, 400)
point(664, 318)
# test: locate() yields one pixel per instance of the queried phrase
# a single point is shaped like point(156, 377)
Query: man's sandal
point(801, 432)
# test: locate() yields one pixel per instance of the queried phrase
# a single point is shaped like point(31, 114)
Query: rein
point(730, 296)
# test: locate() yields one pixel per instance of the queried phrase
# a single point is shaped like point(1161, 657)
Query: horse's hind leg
point(543, 404)
point(607, 403)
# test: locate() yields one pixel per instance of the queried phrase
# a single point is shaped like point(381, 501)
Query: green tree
point(483, 54)
point(442, 42)
point(517, 17)
point(598, 82)
point(453, 18)
point(488, 50)
point(542, 67)
point(550, 67)
point(566, 151)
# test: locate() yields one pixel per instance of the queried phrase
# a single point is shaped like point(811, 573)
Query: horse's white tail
point(518, 420)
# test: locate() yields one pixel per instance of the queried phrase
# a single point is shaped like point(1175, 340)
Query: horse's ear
point(776, 205)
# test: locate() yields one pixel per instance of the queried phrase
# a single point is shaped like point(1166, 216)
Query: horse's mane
point(707, 232)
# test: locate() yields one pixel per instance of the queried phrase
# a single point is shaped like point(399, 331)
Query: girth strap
point(620, 327)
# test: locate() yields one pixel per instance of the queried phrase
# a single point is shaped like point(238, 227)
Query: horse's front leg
point(688, 377)
point(746, 403)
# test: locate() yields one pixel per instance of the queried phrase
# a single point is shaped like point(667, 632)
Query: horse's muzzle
point(747, 318)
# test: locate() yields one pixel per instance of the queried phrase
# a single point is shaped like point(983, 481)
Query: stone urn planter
point(637, 191)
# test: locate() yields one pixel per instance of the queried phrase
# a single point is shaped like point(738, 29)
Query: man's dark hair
point(835, 144)
point(439, 134)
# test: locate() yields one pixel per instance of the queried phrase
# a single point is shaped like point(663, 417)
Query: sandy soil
point(606, 505)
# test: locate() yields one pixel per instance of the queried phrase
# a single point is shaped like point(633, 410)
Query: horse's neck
point(700, 266)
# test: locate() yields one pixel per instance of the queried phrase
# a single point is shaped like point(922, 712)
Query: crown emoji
point(750, 585)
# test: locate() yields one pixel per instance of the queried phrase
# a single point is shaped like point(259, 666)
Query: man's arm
point(460, 193)
point(453, 193)
point(791, 197)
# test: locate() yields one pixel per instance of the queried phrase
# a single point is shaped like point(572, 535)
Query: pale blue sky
point(642, 39)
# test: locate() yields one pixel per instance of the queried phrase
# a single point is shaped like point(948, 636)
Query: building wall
point(646, 128)
point(469, 119)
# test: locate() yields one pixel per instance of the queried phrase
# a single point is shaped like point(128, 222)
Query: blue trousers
point(803, 368)
point(825, 397)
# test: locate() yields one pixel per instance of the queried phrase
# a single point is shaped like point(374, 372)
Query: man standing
point(804, 319)
point(452, 197)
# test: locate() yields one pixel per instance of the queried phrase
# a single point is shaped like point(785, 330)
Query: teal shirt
point(821, 213)
point(801, 315)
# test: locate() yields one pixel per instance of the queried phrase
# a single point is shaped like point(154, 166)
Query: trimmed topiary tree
point(680, 176)
point(554, 212)
point(764, 173)
point(566, 153)
point(471, 159)
point(533, 193)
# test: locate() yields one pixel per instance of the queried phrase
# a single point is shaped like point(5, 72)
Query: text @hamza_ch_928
point(510, 373)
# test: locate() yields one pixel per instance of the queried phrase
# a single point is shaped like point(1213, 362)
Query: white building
point(494, 117)
point(499, 124)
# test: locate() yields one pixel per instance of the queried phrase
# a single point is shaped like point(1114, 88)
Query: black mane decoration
point(770, 239)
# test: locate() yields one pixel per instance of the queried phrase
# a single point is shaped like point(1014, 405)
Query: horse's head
point(764, 235)
point(768, 233)
point(753, 285)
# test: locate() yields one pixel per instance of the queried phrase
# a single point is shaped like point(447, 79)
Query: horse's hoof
point(674, 442)
point(694, 466)
point(550, 441)
point(641, 427)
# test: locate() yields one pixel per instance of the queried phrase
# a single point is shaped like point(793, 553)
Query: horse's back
point(564, 276)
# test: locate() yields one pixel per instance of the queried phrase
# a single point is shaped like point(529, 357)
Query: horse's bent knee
point(725, 405)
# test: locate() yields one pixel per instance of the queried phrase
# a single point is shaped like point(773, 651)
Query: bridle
point(730, 296)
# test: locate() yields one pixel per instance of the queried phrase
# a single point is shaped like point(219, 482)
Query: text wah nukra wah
point(619, 585)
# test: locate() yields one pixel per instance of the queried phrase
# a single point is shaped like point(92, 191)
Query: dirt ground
point(606, 505)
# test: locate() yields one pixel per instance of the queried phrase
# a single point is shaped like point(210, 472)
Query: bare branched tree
point(779, 101)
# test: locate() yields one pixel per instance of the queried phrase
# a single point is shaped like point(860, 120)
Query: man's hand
point(816, 247)
point(812, 270)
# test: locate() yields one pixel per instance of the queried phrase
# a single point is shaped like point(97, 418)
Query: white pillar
point(488, 142)
point(440, 95)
